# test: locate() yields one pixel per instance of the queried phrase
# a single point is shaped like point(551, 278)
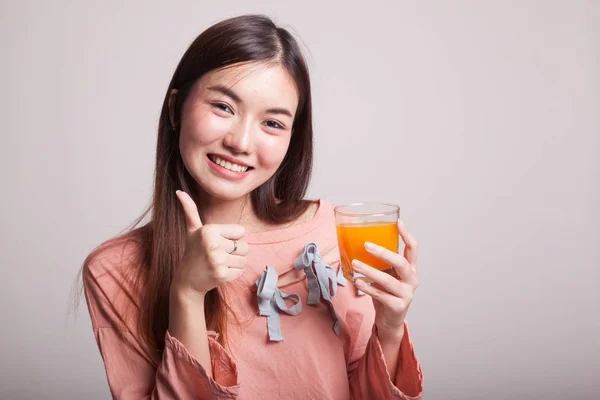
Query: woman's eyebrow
point(280, 111)
point(230, 93)
point(227, 92)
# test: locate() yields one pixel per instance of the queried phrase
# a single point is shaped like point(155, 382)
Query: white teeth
point(228, 165)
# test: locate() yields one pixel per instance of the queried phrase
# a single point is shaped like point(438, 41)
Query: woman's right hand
point(209, 260)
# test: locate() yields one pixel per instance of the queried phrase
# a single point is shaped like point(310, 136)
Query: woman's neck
point(240, 211)
point(217, 211)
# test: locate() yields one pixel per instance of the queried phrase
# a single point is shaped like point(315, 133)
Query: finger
point(236, 262)
point(241, 249)
point(382, 279)
point(382, 296)
point(398, 262)
point(226, 275)
point(227, 231)
point(192, 217)
point(234, 274)
point(411, 251)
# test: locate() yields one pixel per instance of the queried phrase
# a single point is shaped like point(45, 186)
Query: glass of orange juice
point(366, 222)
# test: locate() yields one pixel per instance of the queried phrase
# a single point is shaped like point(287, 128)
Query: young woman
point(221, 295)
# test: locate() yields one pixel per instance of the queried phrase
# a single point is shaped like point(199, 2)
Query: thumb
point(192, 217)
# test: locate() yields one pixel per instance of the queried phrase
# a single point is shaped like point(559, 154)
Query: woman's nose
point(239, 137)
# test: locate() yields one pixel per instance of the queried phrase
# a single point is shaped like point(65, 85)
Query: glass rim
point(394, 209)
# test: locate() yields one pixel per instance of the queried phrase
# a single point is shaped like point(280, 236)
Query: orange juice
point(352, 238)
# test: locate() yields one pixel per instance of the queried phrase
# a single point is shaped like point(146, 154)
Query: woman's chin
point(225, 192)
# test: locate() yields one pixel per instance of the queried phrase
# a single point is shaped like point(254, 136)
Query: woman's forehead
point(257, 82)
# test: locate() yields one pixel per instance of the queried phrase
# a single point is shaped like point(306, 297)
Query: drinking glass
point(366, 222)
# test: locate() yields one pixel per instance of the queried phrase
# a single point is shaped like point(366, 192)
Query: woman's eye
point(274, 124)
point(223, 107)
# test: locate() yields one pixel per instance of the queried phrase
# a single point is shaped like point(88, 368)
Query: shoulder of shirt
point(329, 206)
point(119, 256)
point(324, 207)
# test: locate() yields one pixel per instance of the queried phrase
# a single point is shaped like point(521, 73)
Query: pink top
point(312, 362)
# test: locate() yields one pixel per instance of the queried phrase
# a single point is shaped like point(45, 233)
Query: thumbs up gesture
point(214, 253)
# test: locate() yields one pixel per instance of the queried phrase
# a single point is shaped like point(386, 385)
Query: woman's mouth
point(227, 164)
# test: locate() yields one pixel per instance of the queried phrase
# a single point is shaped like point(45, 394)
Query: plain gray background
point(480, 118)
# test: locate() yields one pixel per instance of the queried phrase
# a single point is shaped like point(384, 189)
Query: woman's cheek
point(205, 127)
point(273, 149)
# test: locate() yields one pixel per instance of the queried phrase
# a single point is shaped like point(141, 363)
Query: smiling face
point(236, 127)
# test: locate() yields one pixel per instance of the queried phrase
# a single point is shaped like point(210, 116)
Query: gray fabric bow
point(271, 300)
point(322, 280)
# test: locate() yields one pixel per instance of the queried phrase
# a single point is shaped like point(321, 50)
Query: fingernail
point(356, 265)
point(370, 246)
point(401, 222)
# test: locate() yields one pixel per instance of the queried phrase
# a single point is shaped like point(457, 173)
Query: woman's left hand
point(391, 296)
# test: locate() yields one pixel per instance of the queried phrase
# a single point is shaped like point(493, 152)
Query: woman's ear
point(172, 98)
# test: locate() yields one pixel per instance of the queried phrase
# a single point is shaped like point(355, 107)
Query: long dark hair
point(247, 38)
